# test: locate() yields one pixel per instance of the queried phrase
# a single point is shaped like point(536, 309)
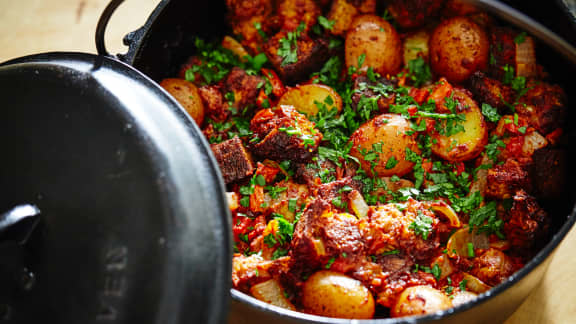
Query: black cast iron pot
point(165, 41)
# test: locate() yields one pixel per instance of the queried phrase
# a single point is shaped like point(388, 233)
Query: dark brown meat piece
point(490, 91)
point(334, 189)
point(311, 56)
point(322, 234)
point(413, 13)
point(526, 223)
point(493, 267)
point(365, 89)
point(235, 162)
point(543, 106)
point(244, 87)
point(284, 134)
point(314, 174)
point(214, 103)
point(504, 180)
point(548, 173)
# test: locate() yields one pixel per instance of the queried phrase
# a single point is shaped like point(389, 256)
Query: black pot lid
point(134, 225)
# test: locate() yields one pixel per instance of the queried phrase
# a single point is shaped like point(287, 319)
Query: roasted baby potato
point(187, 95)
point(236, 48)
point(306, 98)
point(332, 294)
point(467, 143)
point(380, 145)
point(375, 38)
point(458, 48)
point(420, 300)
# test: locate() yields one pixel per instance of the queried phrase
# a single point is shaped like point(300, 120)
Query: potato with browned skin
point(187, 95)
point(374, 39)
point(333, 294)
point(458, 48)
point(419, 300)
point(380, 145)
point(467, 143)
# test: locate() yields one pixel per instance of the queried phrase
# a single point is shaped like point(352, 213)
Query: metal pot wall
point(165, 41)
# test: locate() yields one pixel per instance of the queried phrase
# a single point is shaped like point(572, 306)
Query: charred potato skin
point(458, 48)
point(392, 131)
point(187, 95)
point(376, 38)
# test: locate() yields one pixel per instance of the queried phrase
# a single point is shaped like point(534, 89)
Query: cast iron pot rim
point(136, 39)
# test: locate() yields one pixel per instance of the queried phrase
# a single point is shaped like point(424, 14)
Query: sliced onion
point(358, 204)
point(474, 284)
point(458, 243)
point(273, 293)
point(445, 265)
point(480, 183)
point(233, 200)
point(526, 58)
point(501, 245)
point(445, 209)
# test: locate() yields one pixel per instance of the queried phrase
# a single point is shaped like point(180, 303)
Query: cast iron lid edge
point(185, 155)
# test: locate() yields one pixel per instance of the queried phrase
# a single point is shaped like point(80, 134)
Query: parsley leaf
point(490, 113)
point(288, 49)
point(422, 225)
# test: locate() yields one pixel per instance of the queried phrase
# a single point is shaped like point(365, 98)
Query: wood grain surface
point(34, 26)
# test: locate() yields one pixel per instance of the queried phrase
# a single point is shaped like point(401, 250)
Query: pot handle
point(102, 24)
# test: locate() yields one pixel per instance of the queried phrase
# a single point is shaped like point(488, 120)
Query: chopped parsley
point(419, 71)
point(490, 113)
point(422, 225)
point(288, 49)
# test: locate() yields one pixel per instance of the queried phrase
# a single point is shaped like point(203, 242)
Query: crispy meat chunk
point(190, 62)
point(526, 223)
point(323, 171)
point(364, 90)
point(294, 12)
point(413, 13)
point(244, 87)
point(311, 55)
point(493, 267)
point(388, 228)
point(490, 91)
point(249, 270)
point(250, 37)
point(392, 286)
point(543, 106)
point(284, 134)
point(504, 180)
point(214, 103)
point(322, 234)
point(235, 162)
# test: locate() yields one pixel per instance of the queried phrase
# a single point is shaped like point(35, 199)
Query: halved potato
point(187, 95)
point(467, 144)
point(380, 145)
point(462, 240)
point(458, 48)
point(375, 38)
point(420, 300)
point(333, 294)
point(305, 98)
point(271, 292)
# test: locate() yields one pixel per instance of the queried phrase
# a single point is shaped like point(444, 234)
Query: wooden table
point(34, 26)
